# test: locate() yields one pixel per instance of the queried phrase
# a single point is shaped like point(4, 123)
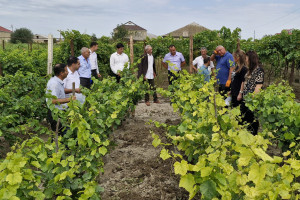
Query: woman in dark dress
point(238, 76)
point(254, 80)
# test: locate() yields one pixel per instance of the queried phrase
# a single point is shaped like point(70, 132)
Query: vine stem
point(215, 104)
point(56, 135)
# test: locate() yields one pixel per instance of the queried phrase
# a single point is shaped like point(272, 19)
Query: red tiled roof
point(2, 29)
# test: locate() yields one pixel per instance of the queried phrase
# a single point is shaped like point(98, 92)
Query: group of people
point(237, 74)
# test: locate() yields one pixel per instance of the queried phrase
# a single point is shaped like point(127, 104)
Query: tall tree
point(94, 38)
point(23, 35)
point(119, 33)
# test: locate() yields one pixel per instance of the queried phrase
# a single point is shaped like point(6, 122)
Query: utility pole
point(254, 34)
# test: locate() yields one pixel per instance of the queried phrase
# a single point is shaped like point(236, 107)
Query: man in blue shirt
point(225, 66)
point(173, 61)
point(85, 68)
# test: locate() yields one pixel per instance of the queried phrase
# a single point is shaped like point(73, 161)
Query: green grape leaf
point(187, 182)
point(103, 150)
point(181, 167)
point(14, 178)
point(208, 189)
point(164, 154)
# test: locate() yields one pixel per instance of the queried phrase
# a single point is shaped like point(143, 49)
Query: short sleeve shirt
point(56, 86)
point(174, 62)
point(199, 62)
point(85, 67)
point(224, 63)
point(256, 77)
point(204, 70)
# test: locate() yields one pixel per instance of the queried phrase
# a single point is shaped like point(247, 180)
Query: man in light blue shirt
point(55, 87)
point(173, 61)
point(85, 68)
point(204, 69)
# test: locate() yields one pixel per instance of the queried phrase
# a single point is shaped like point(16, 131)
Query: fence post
point(131, 50)
point(191, 54)
point(72, 47)
point(50, 54)
point(3, 43)
point(1, 71)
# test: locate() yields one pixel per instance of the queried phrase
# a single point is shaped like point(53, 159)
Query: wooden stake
point(56, 134)
point(1, 71)
point(73, 88)
point(50, 54)
point(131, 50)
point(3, 43)
point(191, 54)
point(238, 46)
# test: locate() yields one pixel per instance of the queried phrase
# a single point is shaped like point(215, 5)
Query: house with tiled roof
point(137, 32)
point(5, 34)
point(187, 31)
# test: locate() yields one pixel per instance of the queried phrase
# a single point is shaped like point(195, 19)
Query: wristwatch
point(241, 92)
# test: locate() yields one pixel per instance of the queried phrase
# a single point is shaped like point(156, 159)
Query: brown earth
point(133, 169)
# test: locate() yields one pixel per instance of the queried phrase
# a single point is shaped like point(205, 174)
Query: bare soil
point(133, 169)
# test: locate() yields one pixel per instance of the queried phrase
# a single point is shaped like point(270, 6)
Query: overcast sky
point(157, 16)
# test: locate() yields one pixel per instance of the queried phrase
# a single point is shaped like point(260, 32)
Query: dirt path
point(133, 169)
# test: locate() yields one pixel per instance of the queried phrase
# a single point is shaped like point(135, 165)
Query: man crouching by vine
point(55, 87)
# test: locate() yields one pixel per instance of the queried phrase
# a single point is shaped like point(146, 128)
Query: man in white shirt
point(93, 60)
point(199, 60)
point(118, 61)
point(73, 76)
point(148, 70)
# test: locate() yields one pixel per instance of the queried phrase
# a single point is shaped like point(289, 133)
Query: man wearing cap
point(173, 61)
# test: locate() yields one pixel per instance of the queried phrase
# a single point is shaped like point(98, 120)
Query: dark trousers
point(53, 124)
point(235, 102)
point(248, 116)
point(85, 82)
point(172, 76)
point(152, 87)
point(223, 90)
point(94, 73)
point(118, 78)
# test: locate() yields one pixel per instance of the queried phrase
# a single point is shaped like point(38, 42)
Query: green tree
point(94, 37)
point(23, 35)
point(119, 33)
point(73, 38)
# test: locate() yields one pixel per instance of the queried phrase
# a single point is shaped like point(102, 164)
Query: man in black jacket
point(148, 70)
